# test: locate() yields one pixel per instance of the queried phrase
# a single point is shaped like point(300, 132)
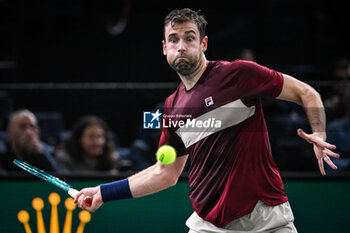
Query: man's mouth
point(181, 59)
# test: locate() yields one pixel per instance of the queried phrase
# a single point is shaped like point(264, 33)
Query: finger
point(77, 201)
point(77, 196)
point(330, 163)
point(330, 153)
point(320, 165)
point(325, 144)
point(81, 201)
point(304, 136)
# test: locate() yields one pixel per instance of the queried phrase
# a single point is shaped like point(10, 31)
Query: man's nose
point(30, 130)
point(182, 46)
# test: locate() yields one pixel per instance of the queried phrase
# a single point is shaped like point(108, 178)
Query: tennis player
point(235, 185)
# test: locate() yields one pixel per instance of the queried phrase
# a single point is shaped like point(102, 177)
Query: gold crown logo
point(54, 200)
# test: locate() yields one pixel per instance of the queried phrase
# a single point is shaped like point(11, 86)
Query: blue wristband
point(115, 191)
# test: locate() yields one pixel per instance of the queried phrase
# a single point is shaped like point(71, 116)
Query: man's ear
point(164, 47)
point(204, 44)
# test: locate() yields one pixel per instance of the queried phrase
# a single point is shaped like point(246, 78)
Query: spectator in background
point(88, 148)
point(24, 143)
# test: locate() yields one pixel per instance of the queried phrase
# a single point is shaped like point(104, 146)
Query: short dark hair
point(185, 15)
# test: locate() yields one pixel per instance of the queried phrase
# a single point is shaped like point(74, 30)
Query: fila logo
point(209, 101)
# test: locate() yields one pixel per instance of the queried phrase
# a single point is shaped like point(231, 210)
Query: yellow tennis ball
point(166, 154)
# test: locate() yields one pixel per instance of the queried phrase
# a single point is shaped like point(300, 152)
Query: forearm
point(303, 94)
point(148, 181)
point(151, 180)
point(312, 103)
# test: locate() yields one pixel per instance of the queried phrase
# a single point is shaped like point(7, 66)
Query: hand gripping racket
point(51, 179)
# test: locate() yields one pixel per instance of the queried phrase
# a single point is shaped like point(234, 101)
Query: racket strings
point(42, 174)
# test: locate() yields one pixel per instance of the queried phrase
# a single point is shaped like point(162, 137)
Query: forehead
point(180, 28)
point(93, 129)
point(24, 118)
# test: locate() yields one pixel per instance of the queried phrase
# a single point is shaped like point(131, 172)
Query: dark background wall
point(61, 41)
point(68, 41)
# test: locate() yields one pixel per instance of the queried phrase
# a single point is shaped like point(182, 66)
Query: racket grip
point(73, 193)
point(88, 201)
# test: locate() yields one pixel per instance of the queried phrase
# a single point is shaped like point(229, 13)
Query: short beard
point(26, 147)
point(184, 67)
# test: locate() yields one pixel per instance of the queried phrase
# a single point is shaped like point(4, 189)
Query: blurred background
point(96, 57)
point(64, 60)
point(120, 41)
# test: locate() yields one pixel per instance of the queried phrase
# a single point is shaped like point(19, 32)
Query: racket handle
point(73, 193)
point(88, 201)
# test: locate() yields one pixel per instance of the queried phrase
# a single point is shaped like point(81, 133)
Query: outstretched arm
point(151, 180)
point(303, 94)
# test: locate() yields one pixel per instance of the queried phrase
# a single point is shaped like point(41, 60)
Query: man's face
point(23, 130)
point(183, 47)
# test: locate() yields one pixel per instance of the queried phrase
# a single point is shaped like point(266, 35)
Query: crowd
point(88, 147)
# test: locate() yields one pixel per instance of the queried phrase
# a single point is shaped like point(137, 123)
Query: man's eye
point(173, 40)
point(190, 38)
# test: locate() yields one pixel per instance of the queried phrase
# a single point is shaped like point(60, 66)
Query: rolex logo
point(54, 200)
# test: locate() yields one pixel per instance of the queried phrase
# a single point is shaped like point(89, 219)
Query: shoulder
point(62, 155)
point(64, 161)
point(253, 72)
point(236, 67)
point(234, 64)
point(248, 66)
point(47, 148)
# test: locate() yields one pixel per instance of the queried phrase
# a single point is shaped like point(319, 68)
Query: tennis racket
point(51, 179)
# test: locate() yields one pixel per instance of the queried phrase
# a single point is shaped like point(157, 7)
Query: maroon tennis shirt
point(220, 124)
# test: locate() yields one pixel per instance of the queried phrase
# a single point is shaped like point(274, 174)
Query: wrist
point(115, 190)
point(320, 134)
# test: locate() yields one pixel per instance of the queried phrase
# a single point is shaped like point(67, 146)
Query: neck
point(190, 80)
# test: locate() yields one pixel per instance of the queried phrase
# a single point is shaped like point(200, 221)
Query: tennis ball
point(166, 154)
